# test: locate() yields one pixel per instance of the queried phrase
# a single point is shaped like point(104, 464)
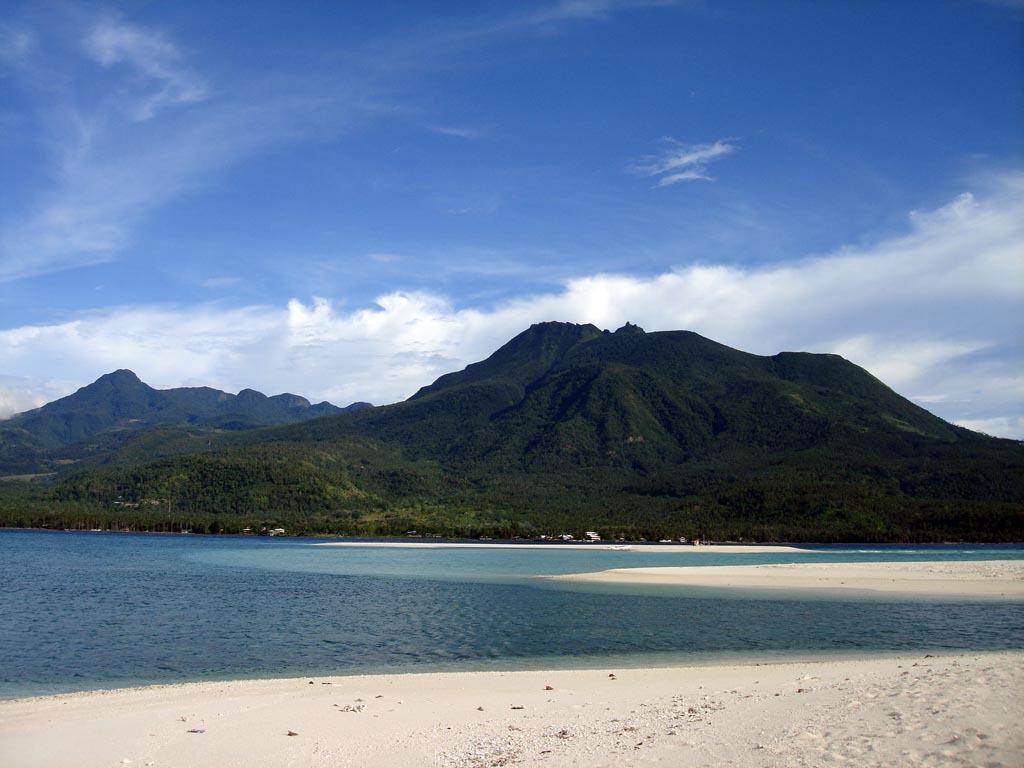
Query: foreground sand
point(708, 549)
point(911, 711)
point(989, 578)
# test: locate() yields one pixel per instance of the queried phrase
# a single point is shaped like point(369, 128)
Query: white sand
point(988, 578)
point(710, 549)
point(911, 711)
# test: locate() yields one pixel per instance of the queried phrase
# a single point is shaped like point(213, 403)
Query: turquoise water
point(82, 611)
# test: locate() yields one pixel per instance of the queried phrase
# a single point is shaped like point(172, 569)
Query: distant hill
point(571, 427)
point(121, 402)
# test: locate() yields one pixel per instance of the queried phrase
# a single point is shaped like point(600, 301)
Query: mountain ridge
point(121, 401)
point(568, 426)
point(641, 379)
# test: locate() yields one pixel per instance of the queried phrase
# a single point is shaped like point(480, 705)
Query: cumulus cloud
point(679, 162)
point(999, 426)
point(934, 312)
point(17, 395)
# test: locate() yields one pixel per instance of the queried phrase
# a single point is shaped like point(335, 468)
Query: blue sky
point(350, 200)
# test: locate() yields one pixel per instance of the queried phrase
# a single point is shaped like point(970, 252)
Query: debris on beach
point(196, 730)
point(548, 688)
point(351, 707)
point(293, 733)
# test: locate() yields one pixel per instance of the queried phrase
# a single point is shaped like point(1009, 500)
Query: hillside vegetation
point(117, 406)
point(564, 428)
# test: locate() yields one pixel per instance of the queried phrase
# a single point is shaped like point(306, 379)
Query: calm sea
point(82, 611)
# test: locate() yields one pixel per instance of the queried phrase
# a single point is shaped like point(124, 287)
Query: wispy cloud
point(149, 125)
point(932, 310)
point(149, 130)
point(457, 132)
point(223, 281)
point(579, 10)
point(384, 258)
point(15, 44)
point(678, 162)
point(156, 58)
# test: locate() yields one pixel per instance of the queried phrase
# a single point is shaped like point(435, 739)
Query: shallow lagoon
point(83, 611)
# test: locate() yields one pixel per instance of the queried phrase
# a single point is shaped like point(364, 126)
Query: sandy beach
point(984, 579)
point(915, 710)
point(709, 549)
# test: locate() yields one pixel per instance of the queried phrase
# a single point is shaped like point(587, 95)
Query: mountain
point(570, 427)
point(119, 402)
point(561, 393)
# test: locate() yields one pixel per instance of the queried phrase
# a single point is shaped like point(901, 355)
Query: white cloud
point(583, 10)
point(119, 151)
point(17, 395)
point(457, 132)
point(682, 162)
point(899, 364)
point(112, 42)
point(224, 281)
point(935, 310)
point(16, 44)
point(150, 126)
point(1000, 426)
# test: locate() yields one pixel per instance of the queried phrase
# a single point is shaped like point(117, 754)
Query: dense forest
point(564, 429)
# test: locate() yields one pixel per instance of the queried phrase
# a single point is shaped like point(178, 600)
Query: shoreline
point(871, 709)
point(330, 538)
point(711, 549)
point(634, 661)
point(1003, 579)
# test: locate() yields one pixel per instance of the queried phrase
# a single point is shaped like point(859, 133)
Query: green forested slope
point(569, 427)
point(118, 406)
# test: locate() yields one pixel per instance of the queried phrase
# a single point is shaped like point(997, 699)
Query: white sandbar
point(987, 578)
